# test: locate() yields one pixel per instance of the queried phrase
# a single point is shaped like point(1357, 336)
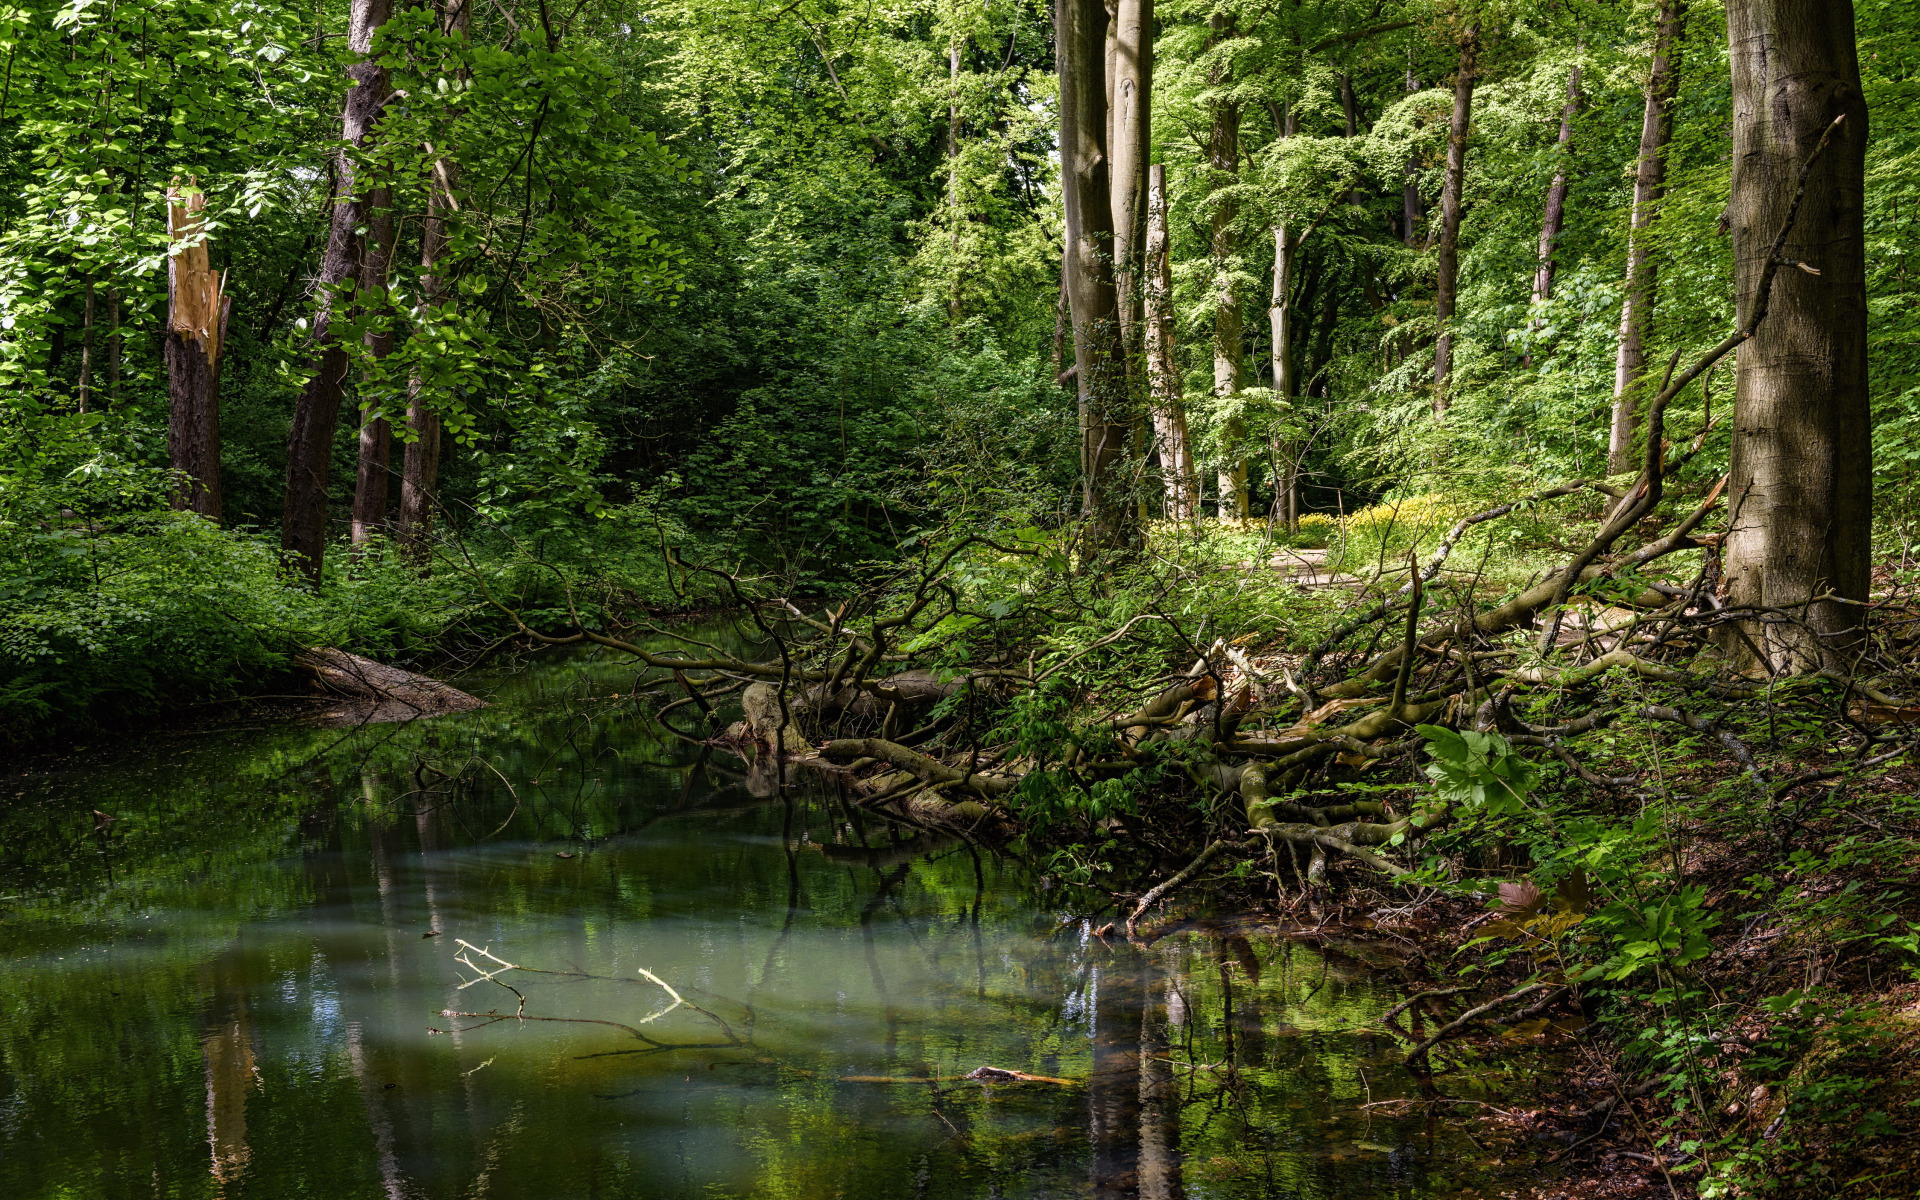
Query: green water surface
point(241, 986)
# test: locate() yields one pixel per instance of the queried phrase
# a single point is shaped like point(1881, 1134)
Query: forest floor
point(1784, 1060)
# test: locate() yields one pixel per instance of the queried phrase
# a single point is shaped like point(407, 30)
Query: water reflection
point(247, 1007)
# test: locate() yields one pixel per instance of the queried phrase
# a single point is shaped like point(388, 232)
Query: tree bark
point(1801, 477)
point(376, 437)
point(1229, 335)
point(86, 348)
point(1080, 41)
point(197, 311)
point(1163, 371)
point(1555, 216)
point(1411, 206)
point(420, 470)
point(1447, 286)
point(1132, 89)
point(1649, 185)
point(1280, 330)
point(1286, 484)
point(316, 414)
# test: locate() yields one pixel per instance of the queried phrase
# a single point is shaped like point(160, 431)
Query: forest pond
point(243, 985)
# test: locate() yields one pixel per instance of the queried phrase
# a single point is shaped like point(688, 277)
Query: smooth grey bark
point(1800, 491)
point(316, 414)
point(1177, 473)
point(1131, 86)
point(1649, 185)
point(1099, 359)
point(1229, 333)
point(1453, 182)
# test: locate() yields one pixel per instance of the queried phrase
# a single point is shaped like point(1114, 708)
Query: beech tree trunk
point(1411, 206)
point(1229, 335)
point(1163, 371)
point(316, 414)
point(1448, 284)
point(197, 312)
point(1556, 213)
point(376, 437)
point(1801, 480)
point(420, 470)
point(1286, 484)
point(1649, 185)
point(1131, 117)
point(1080, 42)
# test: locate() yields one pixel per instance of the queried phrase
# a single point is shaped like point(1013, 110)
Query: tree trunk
point(1411, 206)
point(953, 174)
point(114, 341)
point(420, 470)
point(1163, 371)
point(1280, 329)
point(1801, 480)
point(1649, 185)
point(316, 414)
point(197, 312)
point(376, 437)
point(86, 348)
point(1132, 89)
point(1080, 40)
point(1448, 283)
point(1229, 335)
point(1556, 213)
point(1286, 484)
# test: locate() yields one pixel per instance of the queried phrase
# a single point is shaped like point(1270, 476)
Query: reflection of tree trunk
point(1163, 371)
point(1113, 1088)
point(228, 1051)
point(1159, 1096)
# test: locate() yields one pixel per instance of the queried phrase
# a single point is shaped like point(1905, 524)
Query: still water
point(245, 984)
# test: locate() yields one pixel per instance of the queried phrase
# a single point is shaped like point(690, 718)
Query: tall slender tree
point(1163, 367)
point(376, 435)
point(1229, 334)
point(420, 469)
point(1649, 186)
point(1100, 360)
point(1800, 489)
point(1131, 118)
point(316, 414)
point(1452, 185)
point(1554, 218)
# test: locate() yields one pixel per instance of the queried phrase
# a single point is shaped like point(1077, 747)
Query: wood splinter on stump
point(197, 312)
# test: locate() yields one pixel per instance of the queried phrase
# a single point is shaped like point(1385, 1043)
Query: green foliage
point(1478, 770)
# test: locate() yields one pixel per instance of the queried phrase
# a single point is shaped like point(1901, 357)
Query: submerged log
point(372, 692)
